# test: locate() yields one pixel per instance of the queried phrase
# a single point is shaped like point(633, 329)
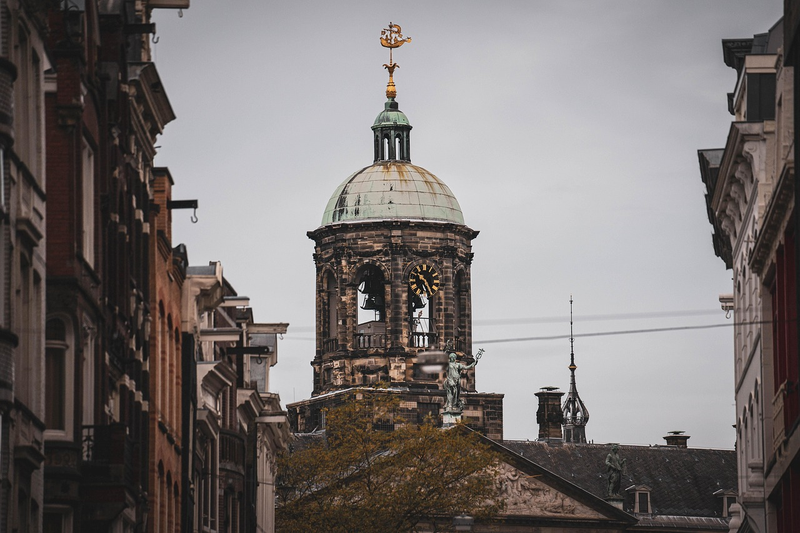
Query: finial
point(572, 366)
point(575, 413)
point(392, 37)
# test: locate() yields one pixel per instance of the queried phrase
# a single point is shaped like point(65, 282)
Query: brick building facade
point(168, 272)
point(105, 107)
point(100, 342)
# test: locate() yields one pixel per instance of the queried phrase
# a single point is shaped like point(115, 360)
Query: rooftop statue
point(614, 466)
point(452, 381)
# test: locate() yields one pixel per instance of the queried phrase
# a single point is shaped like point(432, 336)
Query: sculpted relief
point(526, 495)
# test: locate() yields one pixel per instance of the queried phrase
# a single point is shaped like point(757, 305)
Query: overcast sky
point(568, 131)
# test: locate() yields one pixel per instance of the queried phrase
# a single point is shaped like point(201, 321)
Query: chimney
point(549, 416)
point(677, 438)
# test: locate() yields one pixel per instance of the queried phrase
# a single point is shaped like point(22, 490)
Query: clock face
point(424, 279)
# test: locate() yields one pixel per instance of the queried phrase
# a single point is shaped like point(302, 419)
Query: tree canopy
point(357, 477)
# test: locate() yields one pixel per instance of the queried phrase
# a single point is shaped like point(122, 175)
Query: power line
point(598, 317)
point(600, 333)
point(562, 319)
point(622, 332)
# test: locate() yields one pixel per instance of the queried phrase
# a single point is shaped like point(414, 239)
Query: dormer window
point(641, 499)
point(727, 498)
point(642, 502)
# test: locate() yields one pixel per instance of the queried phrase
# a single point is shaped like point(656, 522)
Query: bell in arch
point(372, 288)
point(373, 302)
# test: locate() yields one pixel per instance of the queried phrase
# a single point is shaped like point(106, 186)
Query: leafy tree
point(358, 478)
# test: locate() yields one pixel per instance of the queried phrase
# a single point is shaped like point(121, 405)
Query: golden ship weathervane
point(391, 38)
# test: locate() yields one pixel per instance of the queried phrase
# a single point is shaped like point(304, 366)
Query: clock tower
point(393, 263)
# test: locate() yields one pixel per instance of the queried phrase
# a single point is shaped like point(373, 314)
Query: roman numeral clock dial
point(424, 279)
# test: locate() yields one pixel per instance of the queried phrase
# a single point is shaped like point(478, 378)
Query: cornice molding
point(768, 237)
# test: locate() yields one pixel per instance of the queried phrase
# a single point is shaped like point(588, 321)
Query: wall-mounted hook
point(180, 13)
point(184, 204)
point(156, 38)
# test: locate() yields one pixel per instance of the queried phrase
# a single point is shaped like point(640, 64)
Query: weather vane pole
point(391, 38)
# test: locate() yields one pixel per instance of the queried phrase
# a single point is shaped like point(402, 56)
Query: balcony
point(109, 471)
point(231, 451)
point(422, 340)
point(107, 454)
point(329, 345)
point(363, 341)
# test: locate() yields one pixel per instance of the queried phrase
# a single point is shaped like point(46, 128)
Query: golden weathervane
point(392, 37)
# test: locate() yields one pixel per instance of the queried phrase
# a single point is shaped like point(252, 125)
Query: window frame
point(67, 347)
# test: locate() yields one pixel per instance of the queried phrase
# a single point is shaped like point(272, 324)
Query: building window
point(760, 97)
point(784, 336)
point(87, 188)
point(728, 498)
point(641, 499)
point(28, 103)
point(57, 519)
point(727, 501)
point(55, 417)
point(88, 371)
point(27, 311)
point(642, 502)
point(58, 376)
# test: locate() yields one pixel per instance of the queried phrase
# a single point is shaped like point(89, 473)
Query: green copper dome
point(391, 115)
point(392, 190)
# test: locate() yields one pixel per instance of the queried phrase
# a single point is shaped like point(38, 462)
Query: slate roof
point(682, 481)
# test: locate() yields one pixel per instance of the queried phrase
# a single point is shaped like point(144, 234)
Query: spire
point(575, 413)
point(392, 129)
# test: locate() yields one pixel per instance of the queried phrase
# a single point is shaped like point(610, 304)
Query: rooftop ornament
point(454, 404)
point(614, 468)
point(391, 38)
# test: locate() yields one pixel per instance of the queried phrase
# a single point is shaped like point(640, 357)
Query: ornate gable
point(530, 495)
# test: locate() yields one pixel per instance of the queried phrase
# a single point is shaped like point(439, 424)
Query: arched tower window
point(459, 313)
point(330, 313)
point(421, 310)
point(371, 331)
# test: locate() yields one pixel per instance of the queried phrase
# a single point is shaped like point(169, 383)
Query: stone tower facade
point(393, 259)
point(369, 265)
point(393, 263)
